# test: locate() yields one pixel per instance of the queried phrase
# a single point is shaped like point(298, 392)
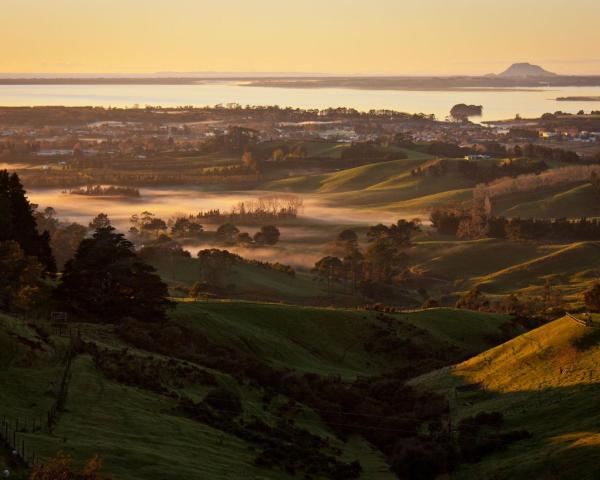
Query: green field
point(328, 341)
point(571, 202)
point(140, 435)
point(545, 381)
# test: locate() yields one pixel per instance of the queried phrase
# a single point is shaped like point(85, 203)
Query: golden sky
point(329, 36)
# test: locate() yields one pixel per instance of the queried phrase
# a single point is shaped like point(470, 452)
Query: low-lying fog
point(302, 242)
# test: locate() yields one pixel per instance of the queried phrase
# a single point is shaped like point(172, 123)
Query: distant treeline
point(99, 190)
point(536, 181)
point(55, 115)
point(471, 225)
point(481, 171)
point(274, 207)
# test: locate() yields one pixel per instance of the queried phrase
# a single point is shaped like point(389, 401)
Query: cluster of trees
point(272, 207)
point(369, 150)
point(474, 224)
point(65, 237)
point(215, 267)
point(481, 171)
point(104, 280)
point(100, 190)
point(554, 177)
point(229, 234)
point(372, 270)
point(148, 225)
point(543, 152)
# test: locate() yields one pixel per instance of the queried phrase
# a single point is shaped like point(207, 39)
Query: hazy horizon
point(380, 38)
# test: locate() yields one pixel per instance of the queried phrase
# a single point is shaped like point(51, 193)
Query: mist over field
point(299, 240)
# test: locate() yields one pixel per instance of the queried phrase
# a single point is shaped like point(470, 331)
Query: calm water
point(497, 104)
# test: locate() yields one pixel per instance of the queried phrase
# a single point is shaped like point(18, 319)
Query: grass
point(245, 281)
point(449, 267)
point(384, 185)
point(140, 435)
point(573, 202)
point(327, 341)
point(545, 381)
point(571, 266)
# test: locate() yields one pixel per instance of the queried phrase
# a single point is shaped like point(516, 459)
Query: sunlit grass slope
point(546, 381)
point(572, 202)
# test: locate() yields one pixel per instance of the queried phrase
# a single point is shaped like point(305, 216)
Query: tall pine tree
point(17, 221)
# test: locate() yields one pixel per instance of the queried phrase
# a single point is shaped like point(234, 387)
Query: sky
point(298, 36)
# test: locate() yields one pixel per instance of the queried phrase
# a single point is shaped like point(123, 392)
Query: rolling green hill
point(246, 281)
point(331, 341)
point(388, 185)
point(545, 381)
point(572, 202)
point(500, 267)
point(139, 432)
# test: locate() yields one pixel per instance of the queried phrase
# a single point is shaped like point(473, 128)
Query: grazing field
point(133, 426)
point(329, 341)
point(545, 381)
point(572, 202)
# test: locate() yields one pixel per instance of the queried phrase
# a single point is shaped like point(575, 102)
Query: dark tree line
point(481, 171)
point(372, 270)
point(469, 225)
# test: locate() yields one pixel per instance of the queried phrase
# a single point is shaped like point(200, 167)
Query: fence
point(584, 322)
point(11, 436)
point(61, 396)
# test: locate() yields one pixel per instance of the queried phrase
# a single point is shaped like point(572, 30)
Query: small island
point(463, 111)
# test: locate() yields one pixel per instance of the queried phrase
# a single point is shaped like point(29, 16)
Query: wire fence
point(12, 436)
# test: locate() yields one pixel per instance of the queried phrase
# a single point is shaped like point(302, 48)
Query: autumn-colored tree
point(60, 467)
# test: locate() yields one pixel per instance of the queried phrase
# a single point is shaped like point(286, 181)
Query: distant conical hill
point(526, 70)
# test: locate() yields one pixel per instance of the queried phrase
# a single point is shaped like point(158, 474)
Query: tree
point(20, 282)
point(244, 238)
point(215, 265)
point(227, 234)
point(155, 225)
point(329, 269)
point(346, 242)
point(592, 298)
point(249, 161)
point(60, 467)
point(473, 300)
point(107, 281)
point(100, 222)
point(65, 240)
point(183, 227)
point(269, 235)
point(353, 266)
point(18, 223)
point(385, 255)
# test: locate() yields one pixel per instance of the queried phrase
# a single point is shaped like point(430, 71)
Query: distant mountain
point(526, 70)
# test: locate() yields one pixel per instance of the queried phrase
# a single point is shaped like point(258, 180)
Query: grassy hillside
point(330, 341)
point(499, 267)
point(571, 266)
point(572, 202)
point(545, 381)
point(388, 185)
point(245, 281)
point(139, 432)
